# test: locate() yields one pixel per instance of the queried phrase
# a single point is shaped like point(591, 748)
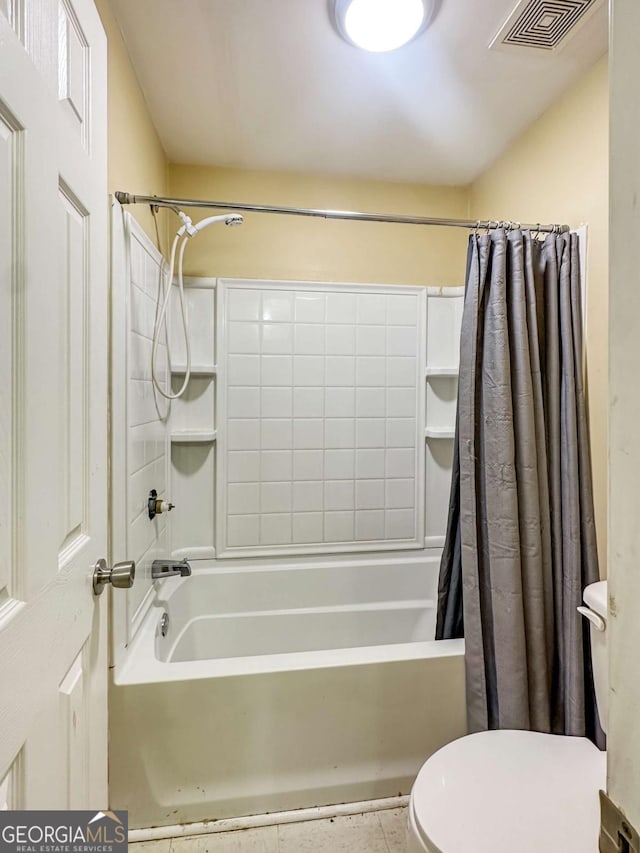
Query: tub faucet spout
point(170, 568)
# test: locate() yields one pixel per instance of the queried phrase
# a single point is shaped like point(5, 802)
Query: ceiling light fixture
point(381, 25)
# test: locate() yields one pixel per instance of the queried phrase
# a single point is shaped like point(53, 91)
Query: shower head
point(227, 218)
point(192, 230)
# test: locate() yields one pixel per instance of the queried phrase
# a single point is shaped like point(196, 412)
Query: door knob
point(122, 575)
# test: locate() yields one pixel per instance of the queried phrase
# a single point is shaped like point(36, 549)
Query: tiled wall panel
point(146, 416)
point(321, 417)
point(139, 419)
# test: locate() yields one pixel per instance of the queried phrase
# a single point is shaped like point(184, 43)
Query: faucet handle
point(156, 505)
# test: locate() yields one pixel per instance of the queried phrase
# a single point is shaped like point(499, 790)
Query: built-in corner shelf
point(439, 433)
point(193, 437)
point(196, 369)
point(440, 384)
point(442, 371)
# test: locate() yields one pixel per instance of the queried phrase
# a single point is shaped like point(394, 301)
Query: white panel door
point(53, 404)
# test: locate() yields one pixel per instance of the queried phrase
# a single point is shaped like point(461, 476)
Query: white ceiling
point(268, 84)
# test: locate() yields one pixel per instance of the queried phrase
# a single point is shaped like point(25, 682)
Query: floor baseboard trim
point(180, 830)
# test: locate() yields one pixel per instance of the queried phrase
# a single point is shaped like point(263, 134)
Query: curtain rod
point(352, 215)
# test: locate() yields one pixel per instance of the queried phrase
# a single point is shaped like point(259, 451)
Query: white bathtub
point(283, 686)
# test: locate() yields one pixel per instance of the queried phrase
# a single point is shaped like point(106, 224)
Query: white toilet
point(500, 791)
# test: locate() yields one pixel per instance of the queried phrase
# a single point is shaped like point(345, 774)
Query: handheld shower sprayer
point(185, 232)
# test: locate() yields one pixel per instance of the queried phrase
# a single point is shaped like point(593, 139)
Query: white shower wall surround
point(320, 434)
point(140, 459)
point(310, 418)
point(319, 418)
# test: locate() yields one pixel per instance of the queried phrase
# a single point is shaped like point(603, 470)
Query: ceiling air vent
point(543, 24)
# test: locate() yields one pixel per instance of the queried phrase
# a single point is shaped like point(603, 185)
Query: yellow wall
point(558, 171)
point(314, 249)
point(272, 246)
point(137, 161)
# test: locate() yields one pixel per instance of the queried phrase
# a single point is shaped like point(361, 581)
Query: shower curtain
point(521, 544)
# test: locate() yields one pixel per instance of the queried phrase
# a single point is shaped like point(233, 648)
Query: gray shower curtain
point(521, 544)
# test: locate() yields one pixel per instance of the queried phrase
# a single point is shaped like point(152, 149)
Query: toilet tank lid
point(595, 597)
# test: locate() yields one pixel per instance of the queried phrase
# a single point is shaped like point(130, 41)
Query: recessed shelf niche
point(192, 424)
point(444, 317)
